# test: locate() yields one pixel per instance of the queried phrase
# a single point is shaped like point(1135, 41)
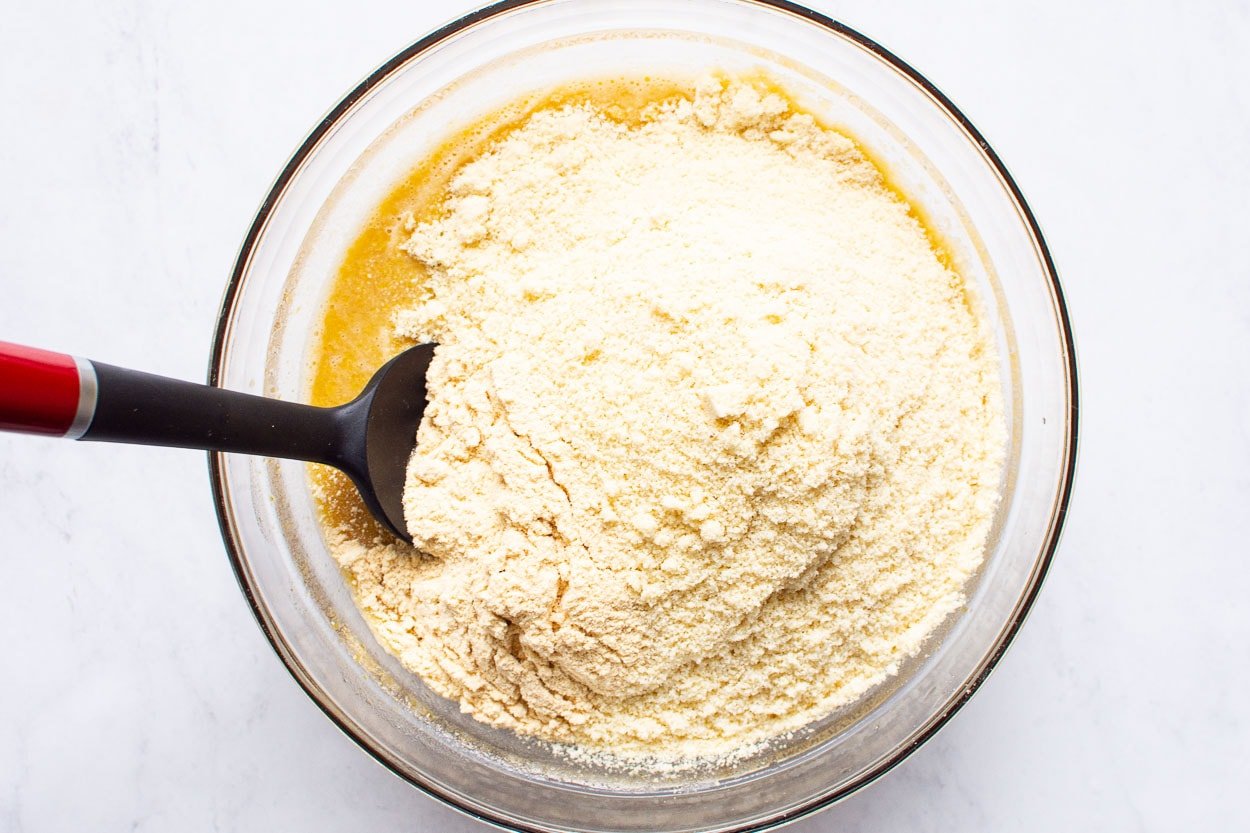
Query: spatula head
point(391, 407)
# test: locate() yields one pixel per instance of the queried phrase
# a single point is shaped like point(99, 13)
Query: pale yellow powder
point(714, 438)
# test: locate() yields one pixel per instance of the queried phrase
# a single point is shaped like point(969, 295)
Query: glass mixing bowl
point(378, 133)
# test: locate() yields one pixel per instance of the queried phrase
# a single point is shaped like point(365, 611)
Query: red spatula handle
point(51, 393)
point(42, 392)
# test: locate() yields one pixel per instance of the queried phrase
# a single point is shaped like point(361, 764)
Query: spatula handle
point(42, 392)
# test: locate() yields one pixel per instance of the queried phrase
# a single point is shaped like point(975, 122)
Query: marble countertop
point(138, 692)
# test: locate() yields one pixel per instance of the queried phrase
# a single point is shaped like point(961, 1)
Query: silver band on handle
point(87, 390)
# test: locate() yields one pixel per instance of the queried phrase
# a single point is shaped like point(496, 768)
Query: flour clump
point(713, 439)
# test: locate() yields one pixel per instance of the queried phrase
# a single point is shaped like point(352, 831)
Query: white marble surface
point(138, 693)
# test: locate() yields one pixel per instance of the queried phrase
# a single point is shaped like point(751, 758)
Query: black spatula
point(370, 438)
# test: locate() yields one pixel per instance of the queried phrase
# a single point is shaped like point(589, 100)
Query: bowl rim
point(226, 312)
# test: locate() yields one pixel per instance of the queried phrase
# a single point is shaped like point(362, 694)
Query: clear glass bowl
point(376, 134)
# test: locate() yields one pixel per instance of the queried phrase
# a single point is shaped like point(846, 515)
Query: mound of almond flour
point(714, 438)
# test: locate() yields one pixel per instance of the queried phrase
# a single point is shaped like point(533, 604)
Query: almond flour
point(714, 436)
